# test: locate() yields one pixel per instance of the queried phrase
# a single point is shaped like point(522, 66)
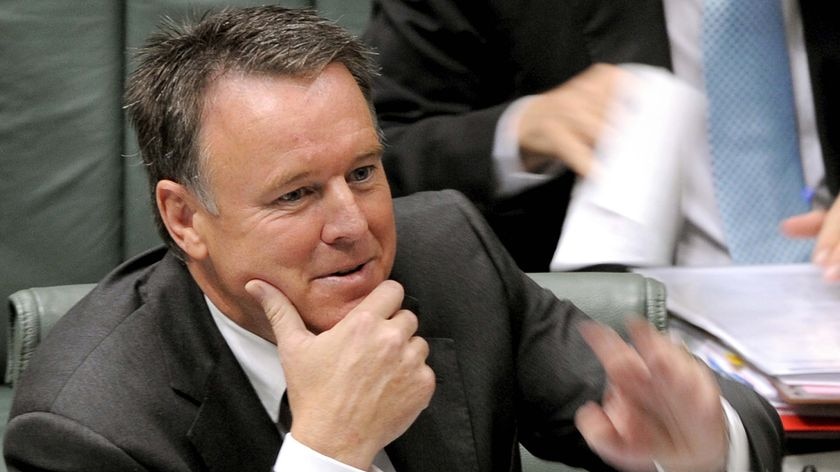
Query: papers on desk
point(800, 417)
point(774, 327)
point(784, 318)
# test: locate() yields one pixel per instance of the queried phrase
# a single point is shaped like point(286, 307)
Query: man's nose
point(344, 219)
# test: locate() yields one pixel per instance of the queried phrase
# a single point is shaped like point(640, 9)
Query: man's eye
point(362, 173)
point(293, 196)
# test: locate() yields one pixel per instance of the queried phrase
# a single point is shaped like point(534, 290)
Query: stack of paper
point(776, 328)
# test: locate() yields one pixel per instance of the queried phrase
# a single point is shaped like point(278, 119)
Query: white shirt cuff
point(738, 457)
point(510, 173)
point(295, 456)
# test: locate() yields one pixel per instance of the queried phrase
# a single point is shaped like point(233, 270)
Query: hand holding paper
point(629, 212)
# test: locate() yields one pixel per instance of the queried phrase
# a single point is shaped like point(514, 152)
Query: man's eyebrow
point(373, 152)
point(366, 157)
point(285, 179)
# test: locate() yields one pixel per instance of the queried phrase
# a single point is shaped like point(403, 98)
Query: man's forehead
point(275, 116)
point(269, 96)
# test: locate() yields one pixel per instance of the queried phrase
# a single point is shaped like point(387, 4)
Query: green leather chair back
point(610, 297)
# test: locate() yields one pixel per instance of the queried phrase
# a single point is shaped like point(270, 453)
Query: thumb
point(806, 225)
point(281, 313)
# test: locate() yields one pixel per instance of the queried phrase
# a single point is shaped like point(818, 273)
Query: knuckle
point(428, 382)
point(421, 346)
point(662, 363)
point(275, 316)
point(391, 339)
point(364, 319)
point(411, 319)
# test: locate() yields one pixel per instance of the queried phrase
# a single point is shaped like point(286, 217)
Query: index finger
point(806, 225)
point(621, 362)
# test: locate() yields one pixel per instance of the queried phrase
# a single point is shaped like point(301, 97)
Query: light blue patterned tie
point(752, 129)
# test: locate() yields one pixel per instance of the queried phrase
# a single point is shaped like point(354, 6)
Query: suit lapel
point(231, 430)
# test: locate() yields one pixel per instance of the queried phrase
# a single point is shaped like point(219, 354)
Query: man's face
point(303, 203)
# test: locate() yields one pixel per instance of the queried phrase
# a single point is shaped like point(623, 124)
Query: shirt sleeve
point(738, 456)
point(511, 176)
point(295, 456)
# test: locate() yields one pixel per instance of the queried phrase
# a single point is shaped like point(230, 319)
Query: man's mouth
point(349, 271)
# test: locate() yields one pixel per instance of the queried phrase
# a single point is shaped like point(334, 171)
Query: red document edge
point(810, 424)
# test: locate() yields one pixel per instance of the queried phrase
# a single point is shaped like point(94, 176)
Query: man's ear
point(178, 207)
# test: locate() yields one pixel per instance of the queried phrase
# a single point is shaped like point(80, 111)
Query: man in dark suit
point(403, 334)
point(454, 74)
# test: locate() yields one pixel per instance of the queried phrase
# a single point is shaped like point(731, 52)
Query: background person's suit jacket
point(138, 377)
point(451, 67)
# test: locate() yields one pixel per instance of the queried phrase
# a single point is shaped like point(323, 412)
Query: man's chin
point(326, 319)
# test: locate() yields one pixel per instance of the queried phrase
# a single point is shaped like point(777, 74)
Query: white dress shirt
point(702, 240)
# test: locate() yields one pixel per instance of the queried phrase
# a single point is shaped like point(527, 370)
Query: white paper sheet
point(629, 212)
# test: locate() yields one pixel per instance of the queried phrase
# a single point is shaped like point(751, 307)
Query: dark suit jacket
point(137, 376)
point(451, 67)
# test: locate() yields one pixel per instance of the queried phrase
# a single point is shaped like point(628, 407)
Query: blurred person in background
point(506, 100)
